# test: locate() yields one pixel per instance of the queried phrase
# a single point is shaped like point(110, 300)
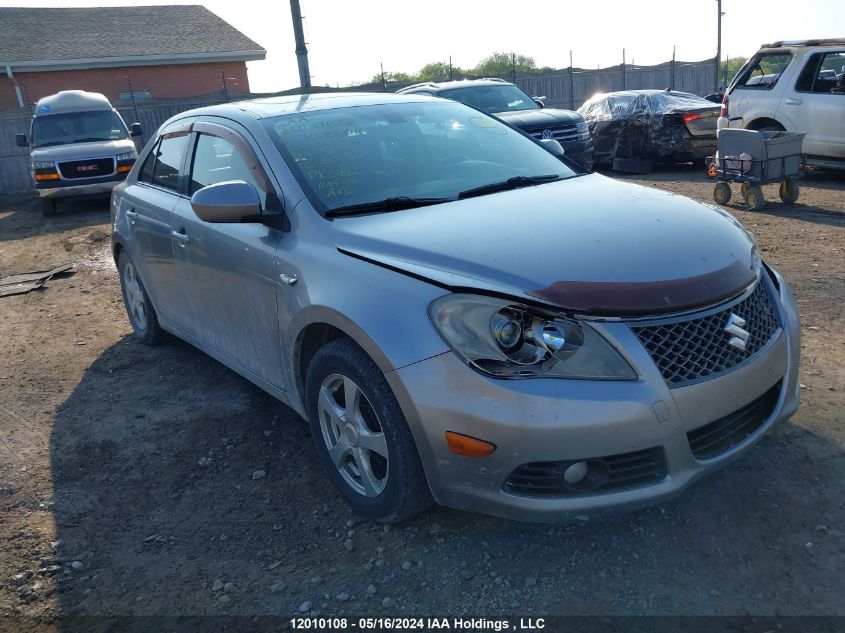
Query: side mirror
point(20, 140)
point(539, 103)
point(551, 145)
point(229, 201)
point(136, 130)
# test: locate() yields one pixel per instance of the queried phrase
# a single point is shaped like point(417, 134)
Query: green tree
point(391, 76)
point(730, 67)
point(503, 63)
point(435, 71)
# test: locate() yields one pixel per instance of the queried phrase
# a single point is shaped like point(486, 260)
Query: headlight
point(42, 164)
point(509, 340)
point(581, 127)
point(127, 156)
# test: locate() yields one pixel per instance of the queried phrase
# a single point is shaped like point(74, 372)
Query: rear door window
point(146, 174)
point(169, 156)
point(824, 73)
point(764, 70)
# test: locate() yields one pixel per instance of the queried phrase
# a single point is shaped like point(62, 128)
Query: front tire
point(722, 193)
point(48, 207)
point(139, 308)
point(361, 435)
point(754, 198)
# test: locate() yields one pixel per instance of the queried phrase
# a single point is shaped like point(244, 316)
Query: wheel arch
point(317, 326)
point(764, 121)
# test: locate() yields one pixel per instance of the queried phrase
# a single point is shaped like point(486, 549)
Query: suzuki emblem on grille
point(734, 328)
point(547, 134)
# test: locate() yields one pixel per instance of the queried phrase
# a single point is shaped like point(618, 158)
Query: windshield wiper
point(92, 139)
point(396, 203)
point(511, 183)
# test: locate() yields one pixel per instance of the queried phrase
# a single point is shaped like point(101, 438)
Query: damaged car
point(634, 129)
point(461, 315)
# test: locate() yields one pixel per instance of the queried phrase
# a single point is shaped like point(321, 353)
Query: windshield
point(503, 98)
point(362, 154)
point(77, 127)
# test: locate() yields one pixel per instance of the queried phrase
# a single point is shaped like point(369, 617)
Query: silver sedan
point(460, 313)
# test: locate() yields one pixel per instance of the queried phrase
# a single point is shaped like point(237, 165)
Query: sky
point(347, 41)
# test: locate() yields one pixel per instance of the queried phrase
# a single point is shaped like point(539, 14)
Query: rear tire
point(633, 165)
point(754, 198)
point(139, 308)
point(48, 207)
point(789, 191)
point(722, 193)
point(355, 419)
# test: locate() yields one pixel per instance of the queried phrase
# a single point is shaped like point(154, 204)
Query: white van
point(79, 146)
point(797, 86)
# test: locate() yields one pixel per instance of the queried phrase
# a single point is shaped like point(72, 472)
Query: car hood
point(531, 119)
point(589, 245)
point(76, 151)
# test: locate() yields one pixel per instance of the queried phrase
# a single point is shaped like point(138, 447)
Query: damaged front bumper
point(541, 426)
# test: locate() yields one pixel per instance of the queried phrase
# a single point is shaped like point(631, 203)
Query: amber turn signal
point(48, 176)
point(122, 169)
point(468, 446)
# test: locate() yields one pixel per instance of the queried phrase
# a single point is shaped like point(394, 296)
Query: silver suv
point(459, 315)
point(796, 86)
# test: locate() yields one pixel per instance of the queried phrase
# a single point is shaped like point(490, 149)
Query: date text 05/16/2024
point(415, 624)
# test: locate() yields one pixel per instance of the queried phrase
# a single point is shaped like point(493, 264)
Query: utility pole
point(451, 75)
point(624, 80)
point(383, 80)
point(571, 84)
point(672, 83)
point(718, 43)
point(301, 51)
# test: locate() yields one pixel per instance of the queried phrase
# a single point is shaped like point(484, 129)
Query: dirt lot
point(126, 473)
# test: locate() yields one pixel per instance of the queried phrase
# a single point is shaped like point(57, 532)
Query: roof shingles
point(48, 34)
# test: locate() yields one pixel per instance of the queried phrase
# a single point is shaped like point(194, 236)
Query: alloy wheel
point(135, 301)
point(353, 435)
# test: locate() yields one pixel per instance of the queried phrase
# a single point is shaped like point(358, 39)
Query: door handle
point(290, 280)
point(793, 101)
point(181, 236)
point(132, 216)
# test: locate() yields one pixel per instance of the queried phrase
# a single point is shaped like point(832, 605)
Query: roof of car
point(832, 41)
point(302, 103)
point(71, 101)
point(449, 85)
point(634, 93)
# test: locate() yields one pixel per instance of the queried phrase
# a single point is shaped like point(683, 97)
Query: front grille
point(87, 168)
point(697, 347)
point(560, 133)
point(627, 470)
point(715, 438)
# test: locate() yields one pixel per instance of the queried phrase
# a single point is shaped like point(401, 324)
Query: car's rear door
point(147, 205)
point(817, 104)
point(227, 271)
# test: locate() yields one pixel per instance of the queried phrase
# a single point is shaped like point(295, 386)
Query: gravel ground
point(137, 481)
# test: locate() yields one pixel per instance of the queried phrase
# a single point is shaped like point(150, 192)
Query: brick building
point(154, 52)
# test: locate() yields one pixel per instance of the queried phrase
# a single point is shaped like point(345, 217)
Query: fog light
point(575, 473)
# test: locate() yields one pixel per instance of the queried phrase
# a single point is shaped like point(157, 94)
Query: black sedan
point(634, 129)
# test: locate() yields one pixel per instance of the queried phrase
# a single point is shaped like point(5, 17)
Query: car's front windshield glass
point(362, 154)
point(77, 127)
point(503, 98)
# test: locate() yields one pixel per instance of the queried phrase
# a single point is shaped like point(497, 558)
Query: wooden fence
point(566, 88)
